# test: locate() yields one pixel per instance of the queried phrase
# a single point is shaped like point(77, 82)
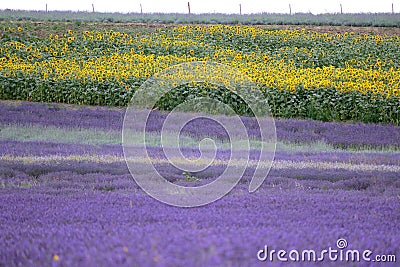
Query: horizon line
point(209, 13)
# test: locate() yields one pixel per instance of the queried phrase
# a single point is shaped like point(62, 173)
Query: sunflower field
point(302, 73)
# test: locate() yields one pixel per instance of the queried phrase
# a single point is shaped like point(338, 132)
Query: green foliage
point(332, 105)
point(190, 178)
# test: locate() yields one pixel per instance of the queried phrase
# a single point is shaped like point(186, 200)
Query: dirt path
point(44, 28)
point(390, 31)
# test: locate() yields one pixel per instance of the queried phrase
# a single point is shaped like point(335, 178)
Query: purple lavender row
point(290, 130)
point(58, 115)
point(41, 148)
point(50, 227)
point(85, 174)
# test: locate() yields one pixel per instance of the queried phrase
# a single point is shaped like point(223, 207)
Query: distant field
point(379, 19)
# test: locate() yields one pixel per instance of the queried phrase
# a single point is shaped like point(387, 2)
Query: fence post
point(341, 9)
point(240, 9)
point(141, 9)
point(392, 8)
point(189, 7)
point(290, 9)
point(46, 7)
point(93, 7)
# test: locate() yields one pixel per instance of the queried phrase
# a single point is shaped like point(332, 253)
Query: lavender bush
point(342, 135)
point(76, 204)
point(63, 227)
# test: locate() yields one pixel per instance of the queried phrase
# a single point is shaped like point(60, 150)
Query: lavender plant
point(74, 204)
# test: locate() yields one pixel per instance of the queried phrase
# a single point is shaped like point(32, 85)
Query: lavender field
point(67, 197)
